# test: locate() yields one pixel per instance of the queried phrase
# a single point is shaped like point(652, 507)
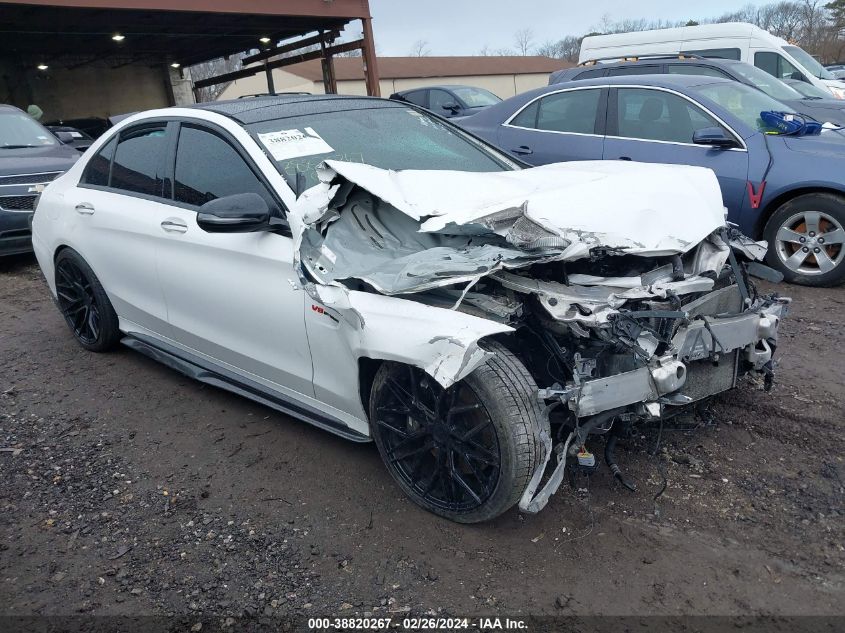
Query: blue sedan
point(788, 190)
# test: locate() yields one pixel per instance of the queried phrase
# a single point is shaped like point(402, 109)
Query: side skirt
point(202, 370)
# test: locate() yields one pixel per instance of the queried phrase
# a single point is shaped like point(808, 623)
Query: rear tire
point(84, 304)
point(806, 237)
point(465, 453)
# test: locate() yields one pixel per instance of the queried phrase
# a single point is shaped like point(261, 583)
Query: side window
point(138, 166)
point(656, 115)
point(695, 69)
point(528, 117)
point(417, 97)
point(591, 74)
point(439, 98)
point(97, 171)
point(571, 111)
point(777, 65)
point(719, 53)
point(207, 167)
point(645, 69)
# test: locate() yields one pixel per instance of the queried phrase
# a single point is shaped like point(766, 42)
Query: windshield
point(762, 80)
point(809, 62)
point(390, 138)
point(743, 102)
point(476, 97)
point(809, 90)
point(20, 130)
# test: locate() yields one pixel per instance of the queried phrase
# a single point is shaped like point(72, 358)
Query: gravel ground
point(127, 489)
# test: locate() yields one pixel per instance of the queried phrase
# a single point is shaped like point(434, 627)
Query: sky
point(464, 27)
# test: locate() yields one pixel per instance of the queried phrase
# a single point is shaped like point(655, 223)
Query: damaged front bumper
point(705, 358)
point(718, 340)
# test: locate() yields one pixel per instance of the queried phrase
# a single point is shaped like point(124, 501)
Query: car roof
point(661, 81)
point(271, 107)
point(650, 61)
point(441, 86)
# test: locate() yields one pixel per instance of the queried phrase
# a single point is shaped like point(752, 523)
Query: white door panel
point(117, 235)
point(230, 297)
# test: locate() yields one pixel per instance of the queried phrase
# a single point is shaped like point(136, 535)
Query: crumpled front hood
point(639, 207)
point(408, 231)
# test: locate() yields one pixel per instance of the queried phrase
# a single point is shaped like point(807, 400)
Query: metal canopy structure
point(73, 33)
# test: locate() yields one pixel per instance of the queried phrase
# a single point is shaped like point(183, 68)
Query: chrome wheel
point(811, 243)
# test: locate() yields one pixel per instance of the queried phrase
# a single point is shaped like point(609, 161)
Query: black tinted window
point(437, 99)
point(776, 65)
point(572, 111)
point(138, 164)
point(207, 167)
point(634, 70)
point(695, 69)
point(591, 74)
point(97, 171)
point(719, 53)
point(417, 98)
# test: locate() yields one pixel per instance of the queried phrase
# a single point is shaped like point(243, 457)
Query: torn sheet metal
point(423, 229)
point(443, 343)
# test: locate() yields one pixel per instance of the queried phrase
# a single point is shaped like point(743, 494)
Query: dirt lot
point(126, 488)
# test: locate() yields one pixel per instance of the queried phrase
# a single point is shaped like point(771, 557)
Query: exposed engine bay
point(619, 286)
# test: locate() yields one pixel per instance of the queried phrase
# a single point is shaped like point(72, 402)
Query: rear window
point(138, 161)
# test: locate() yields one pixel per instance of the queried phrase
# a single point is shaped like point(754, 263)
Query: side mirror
point(64, 137)
point(239, 213)
point(713, 136)
point(451, 106)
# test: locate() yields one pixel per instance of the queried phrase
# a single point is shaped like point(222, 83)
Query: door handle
point(85, 208)
point(624, 158)
point(522, 150)
point(174, 225)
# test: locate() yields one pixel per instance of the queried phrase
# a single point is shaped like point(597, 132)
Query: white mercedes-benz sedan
point(370, 268)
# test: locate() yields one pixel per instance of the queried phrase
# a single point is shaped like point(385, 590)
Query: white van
point(731, 40)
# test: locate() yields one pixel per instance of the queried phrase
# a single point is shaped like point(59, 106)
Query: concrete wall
point(502, 85)
point(87, 91)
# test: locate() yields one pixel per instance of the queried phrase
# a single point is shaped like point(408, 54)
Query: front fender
point(442, 342)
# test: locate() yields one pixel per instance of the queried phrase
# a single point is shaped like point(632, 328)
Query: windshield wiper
point(18, 146)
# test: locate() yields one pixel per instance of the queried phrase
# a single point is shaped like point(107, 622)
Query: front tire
point(806, 237)
point(465, 453)
point(84, 304)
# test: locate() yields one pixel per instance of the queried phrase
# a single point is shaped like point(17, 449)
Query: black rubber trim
point(203, 371)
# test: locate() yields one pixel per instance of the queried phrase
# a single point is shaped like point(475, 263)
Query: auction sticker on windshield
point(286, 144)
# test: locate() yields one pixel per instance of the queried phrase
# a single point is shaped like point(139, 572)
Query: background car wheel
point(806, 239)
point(84, 304)
point(467, 452)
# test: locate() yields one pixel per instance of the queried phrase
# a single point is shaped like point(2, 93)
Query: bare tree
point(420, 49)
point(566, 48)
point(213, 68)
point(524, 41)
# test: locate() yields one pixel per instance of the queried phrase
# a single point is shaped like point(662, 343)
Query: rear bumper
point(704, 360)
point(15, 232)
